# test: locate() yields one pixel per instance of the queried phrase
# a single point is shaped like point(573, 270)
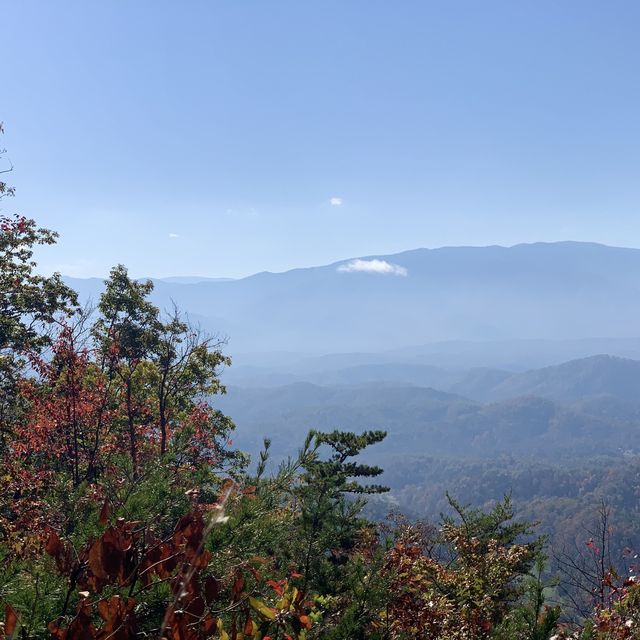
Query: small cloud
point(335, 202)
point(373, 266)
point(174, 235)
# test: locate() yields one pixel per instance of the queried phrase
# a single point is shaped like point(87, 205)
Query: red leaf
point(277, 586)
point(238, 585)
point(255, 573)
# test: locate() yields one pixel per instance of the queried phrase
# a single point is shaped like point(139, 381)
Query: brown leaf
point(119, 617)
point(160, 560)
point(209, 625)
point(248, 626)
point(81, 628)
point(11, 620)
point(56, 631)
point(211, 589)
point(104, 513)
point(256, 574)
point(238, 585)
point(109, 557)
point(53, 545)
point(227, 487)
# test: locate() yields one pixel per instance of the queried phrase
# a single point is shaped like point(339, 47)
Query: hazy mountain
point(191, 279)
point(576, 380)
point(426, 421)
point(594, 378)
point(479, 383)
point(515, 355)
point(377, 303)
point(403, 373)
point(583, 407)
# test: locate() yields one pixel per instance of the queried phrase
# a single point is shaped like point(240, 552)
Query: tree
point(328, 517)
point(29, 303)
point(587, 571)
point(461, 585)
point(188, 365)
point(128, 332)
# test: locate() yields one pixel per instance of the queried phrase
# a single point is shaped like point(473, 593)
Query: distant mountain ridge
point(425, 421)
point(588, 406)
point(372, 303)
point(191, 279)
point(599, 376)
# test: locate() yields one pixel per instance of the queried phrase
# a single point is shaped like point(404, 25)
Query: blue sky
point(221, 138)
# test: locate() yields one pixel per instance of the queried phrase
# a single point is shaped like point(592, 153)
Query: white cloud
point(335, 202)
point(174, 235)
point(373, 266)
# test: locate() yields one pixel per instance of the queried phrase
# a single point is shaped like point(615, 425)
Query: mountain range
point(584, 407)
point(545, 291)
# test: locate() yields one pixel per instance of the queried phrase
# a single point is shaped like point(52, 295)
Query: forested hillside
point(439, 422)
point(558, 459)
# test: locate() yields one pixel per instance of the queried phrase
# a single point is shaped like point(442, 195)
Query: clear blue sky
point(210, 137)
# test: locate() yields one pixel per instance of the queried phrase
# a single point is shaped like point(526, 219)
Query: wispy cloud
point(174, 235)
point(335, 201)
point(373, 266)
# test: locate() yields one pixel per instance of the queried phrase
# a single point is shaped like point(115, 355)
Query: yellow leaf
point(222, 634)
point(262, 608)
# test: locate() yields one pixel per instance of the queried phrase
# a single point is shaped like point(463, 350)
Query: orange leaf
point(305, 622)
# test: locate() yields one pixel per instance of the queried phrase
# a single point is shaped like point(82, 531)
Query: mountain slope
point(424, 421)
point(576, 380)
